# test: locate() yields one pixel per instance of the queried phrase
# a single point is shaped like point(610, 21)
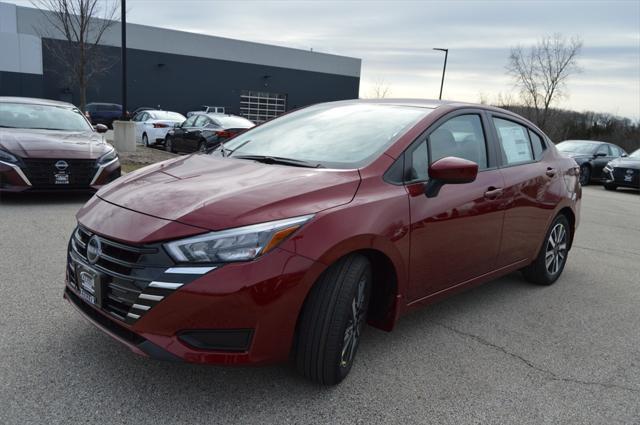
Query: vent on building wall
point(261, 106)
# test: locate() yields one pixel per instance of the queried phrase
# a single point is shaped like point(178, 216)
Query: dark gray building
point(173, 69)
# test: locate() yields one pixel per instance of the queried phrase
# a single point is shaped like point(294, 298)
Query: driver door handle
point(493, 192)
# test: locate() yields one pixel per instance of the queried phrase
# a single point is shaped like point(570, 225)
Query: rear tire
point(551, 259)
point(585, 175)
point(610, 186)
point(332, 321)
point(202, 146)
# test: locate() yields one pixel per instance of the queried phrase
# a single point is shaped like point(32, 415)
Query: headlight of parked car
point(7, 157)
point(239, 244)
point(109, 156)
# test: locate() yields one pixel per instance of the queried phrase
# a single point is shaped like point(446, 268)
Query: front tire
point(145, 140)
point(585, 175)
point(610, 186)
point(332, 321)
point(168, 145)
point(551, 259)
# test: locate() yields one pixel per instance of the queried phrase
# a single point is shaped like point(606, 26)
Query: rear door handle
point(550, 172)
point(493, 192)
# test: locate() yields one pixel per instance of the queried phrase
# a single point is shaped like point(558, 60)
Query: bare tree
point(82, 23)
point(380, 89)
point(541, 72)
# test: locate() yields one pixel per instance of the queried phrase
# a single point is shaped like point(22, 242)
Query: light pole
point(444, 68)
point(123, 22)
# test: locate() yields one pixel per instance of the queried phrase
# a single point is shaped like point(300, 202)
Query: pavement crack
point(549, 374)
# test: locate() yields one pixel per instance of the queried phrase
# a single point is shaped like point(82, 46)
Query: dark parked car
point(285, 241)
point(204, 131)
point(49, 145)
point(591, 156)
point(103, 113)
point(623, 172)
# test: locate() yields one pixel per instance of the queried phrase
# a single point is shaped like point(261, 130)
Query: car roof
point(35, 101)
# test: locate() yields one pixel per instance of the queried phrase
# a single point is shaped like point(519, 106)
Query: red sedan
point(290, 237)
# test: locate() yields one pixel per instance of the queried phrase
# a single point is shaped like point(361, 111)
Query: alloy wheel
point(556, 252)
point(355, 324)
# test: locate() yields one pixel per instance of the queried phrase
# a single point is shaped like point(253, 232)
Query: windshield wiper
point(279, 160)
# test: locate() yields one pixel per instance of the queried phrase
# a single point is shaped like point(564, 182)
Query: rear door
point(455, 236)
point(529, 179)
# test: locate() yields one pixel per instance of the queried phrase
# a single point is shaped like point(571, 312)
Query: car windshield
point(635, 154)
point(166, 115)
point(46, 117)
point(331, 135)
point(576, 147)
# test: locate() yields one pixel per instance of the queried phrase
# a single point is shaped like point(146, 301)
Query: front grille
point(133, 279)
point(41, 172)
point(619, 175)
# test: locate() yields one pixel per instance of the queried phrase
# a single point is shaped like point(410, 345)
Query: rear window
point(166, 115)
point(234, 122)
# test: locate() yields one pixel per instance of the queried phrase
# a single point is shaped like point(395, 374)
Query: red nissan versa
point(289, 237)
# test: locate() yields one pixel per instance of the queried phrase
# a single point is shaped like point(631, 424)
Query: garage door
point(262, 106)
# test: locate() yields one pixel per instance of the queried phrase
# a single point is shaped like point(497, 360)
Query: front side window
point(201, 121)
point(514, 140)
point(418, 162)
point(462, 137)
point(337, 136)
point(189, 122)
point(604, 149)
point(44, 117)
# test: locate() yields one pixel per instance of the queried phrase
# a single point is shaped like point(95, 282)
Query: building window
point(260, 106)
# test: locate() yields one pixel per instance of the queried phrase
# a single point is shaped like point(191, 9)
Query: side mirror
point(597, 154)
point(449, 170)
point(624, 155)
point(177, 125)
point(101, 128)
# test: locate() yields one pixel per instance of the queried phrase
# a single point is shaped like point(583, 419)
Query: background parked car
point(103, 113)
point(152, 125)
point(591, 156)
point(623, 172)
point(208, 109)
point(203, 131)
point(49, 145)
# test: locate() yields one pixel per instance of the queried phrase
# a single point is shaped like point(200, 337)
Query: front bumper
point(233, 314)
point(41, 176)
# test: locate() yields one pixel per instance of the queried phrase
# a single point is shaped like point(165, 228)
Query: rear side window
point(537, 144)
point(462, 137)
point(514, 140)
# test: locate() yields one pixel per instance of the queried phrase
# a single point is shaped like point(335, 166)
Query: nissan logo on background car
point(94, 249)
point(61, 165)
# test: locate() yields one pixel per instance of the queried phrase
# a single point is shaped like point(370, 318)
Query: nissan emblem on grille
point(94, 249)
point(62, 165)
point(629, 172)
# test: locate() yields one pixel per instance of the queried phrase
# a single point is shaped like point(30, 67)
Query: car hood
point(218, 193)
point(53, 144)
point(626, 163)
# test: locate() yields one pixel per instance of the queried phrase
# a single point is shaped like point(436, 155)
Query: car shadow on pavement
point(39, 198)
point(102, 365)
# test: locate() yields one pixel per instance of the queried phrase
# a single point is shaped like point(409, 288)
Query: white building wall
point(19, 52)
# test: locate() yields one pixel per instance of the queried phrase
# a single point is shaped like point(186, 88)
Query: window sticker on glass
point(515, 141)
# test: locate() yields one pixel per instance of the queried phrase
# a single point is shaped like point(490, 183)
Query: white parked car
point(152, 125)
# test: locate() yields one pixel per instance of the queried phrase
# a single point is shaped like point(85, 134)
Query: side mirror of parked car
point(101, 128)
point(177, 125)
point(597, 154)
point(624, 155)
point(449, 170)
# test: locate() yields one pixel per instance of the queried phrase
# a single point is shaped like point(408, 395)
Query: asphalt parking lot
point(506, 352)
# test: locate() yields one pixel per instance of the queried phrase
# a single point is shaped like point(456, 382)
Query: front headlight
point(239, 244)
point(7, 157)
point(109, 156)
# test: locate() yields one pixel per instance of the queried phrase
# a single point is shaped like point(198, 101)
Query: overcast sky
point(394, 39)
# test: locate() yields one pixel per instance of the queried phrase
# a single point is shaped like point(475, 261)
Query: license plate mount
point(89, 284)
point(61, 178)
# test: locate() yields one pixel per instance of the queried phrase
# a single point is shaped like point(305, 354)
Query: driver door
point(180, 133)
point(455, 236)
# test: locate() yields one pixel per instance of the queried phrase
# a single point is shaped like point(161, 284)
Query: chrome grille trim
point(189, 270)
point(165, 285)
point(150, 297)
point(141, 307)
